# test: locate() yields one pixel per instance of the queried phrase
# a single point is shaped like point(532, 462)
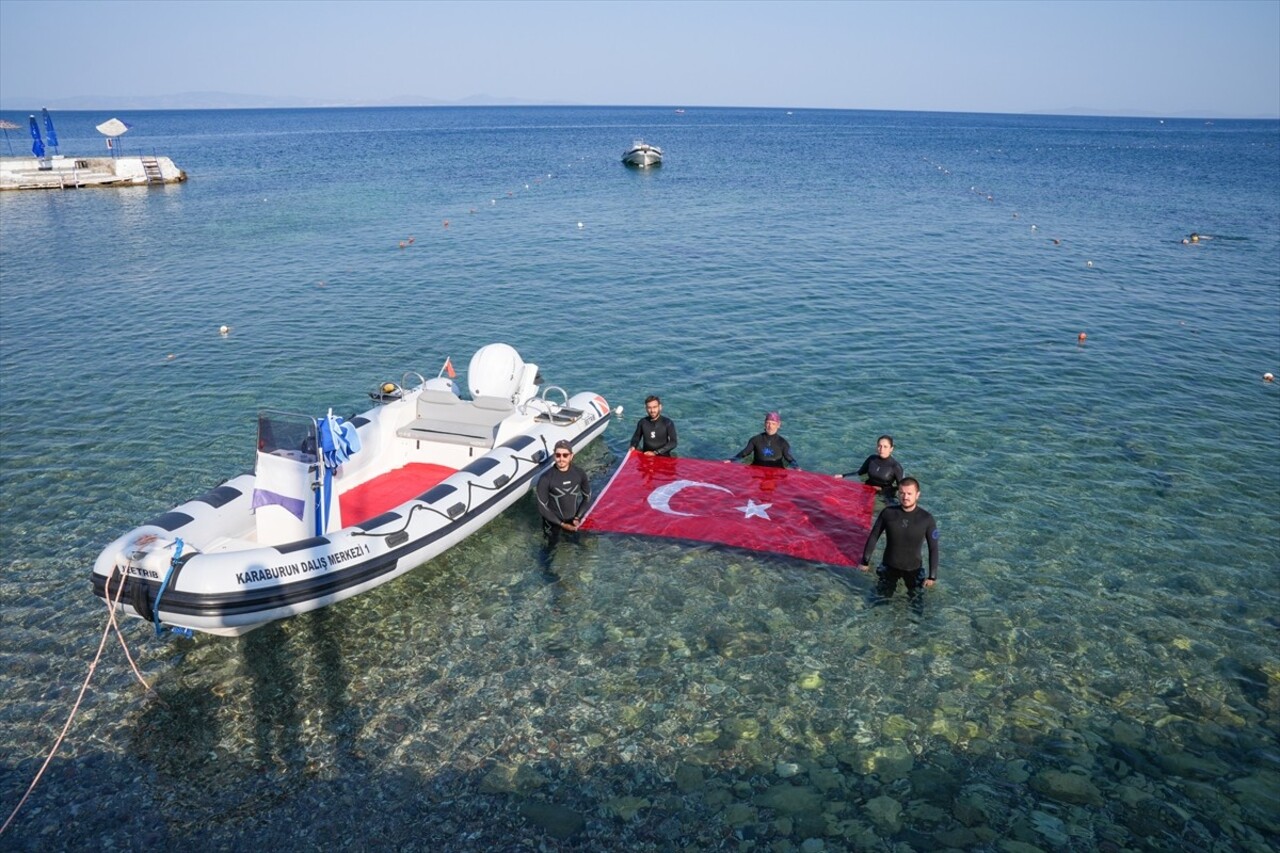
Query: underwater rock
point(1008, 845)
point(886, 812)
point(813, 845)
point(625, 808)
point(1256, 795)
point(511, 779)
point(898, 726)
point(742, 728)
point(891, 762)
point(688, 778)
point(787, 799)
point(809, 681)
point(1017, 771)
point(971, 808)
point(961, 839)
point(739, 814)
point(1191, 766)
point(825, 779)
point(1067, 788)
point(1050, 827)
point(786, 769)
point(559, 821)
point(933, 783)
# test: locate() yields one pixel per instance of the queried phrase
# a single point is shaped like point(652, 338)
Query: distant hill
point(235, 101)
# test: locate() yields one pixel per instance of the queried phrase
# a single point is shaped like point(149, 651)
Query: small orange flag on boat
point(448, 368)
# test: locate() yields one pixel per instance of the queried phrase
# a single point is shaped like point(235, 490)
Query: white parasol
point(113, 127)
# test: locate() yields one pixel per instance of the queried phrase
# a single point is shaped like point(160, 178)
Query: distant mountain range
point(234, 101)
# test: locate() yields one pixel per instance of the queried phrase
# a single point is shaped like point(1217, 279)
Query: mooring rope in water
point(102, 644)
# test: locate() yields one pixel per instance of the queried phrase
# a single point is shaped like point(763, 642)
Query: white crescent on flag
point(660, 498)
point(801, 514)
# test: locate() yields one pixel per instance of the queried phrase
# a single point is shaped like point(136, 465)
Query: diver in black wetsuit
point(655, 435)
point(768, 448)
point(563, 494)
point(906, 527)
point(881, 469)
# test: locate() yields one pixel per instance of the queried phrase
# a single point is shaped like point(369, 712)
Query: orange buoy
point(1081, 337)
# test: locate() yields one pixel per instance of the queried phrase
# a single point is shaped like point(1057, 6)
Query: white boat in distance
point(334, 508)
point(643, 155)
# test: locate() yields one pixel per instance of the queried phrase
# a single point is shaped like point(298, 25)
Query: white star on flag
point(754, 509)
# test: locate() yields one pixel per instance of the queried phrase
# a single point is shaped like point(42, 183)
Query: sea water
point(1079, 392)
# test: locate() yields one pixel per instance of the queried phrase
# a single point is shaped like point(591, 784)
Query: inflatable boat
point(336, 507)
point(642, 155)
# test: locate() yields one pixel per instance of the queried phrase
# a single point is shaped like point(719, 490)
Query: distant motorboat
point(643, 155)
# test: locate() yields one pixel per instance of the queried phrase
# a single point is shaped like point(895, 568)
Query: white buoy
point(580, 225)
point(224, 330)
point(617, 410)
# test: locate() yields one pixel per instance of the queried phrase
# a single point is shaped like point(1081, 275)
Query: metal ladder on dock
point(152, 167)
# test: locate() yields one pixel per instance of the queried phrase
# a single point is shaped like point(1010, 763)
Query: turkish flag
point(811, 516)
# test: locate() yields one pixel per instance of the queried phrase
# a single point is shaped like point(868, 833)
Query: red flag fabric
point(811, 516)
point(448, 368)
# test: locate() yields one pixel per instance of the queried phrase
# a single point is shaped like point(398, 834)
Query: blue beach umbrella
point(49, 131)
point(37, 144)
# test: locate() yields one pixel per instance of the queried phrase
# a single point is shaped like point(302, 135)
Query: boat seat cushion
point(460, 422)
point(495, 404)
point(432, 399)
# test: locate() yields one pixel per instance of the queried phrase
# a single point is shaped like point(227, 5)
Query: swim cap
point(773, 416)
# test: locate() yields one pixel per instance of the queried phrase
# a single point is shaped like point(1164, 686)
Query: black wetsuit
point(771, 451)
point(884, 474)
point(904, 533)
point(562, 497)
point(658, 436)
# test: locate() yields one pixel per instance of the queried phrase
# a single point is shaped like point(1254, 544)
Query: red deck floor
point(389, 491)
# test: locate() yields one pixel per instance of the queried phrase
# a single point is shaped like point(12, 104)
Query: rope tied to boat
point(162, 629)
point(113, 602)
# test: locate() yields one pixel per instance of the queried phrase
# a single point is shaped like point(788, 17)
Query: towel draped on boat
point(338, 443)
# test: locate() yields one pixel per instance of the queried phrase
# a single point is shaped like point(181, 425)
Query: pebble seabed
point(703, 700)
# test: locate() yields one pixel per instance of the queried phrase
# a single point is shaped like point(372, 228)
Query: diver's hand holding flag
point(800, 514)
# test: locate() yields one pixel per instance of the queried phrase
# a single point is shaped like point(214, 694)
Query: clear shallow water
point(1096, 669)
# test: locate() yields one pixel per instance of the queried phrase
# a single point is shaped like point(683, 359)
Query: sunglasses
point(563, 454)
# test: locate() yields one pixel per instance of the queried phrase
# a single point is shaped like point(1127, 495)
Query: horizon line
point(489, 101)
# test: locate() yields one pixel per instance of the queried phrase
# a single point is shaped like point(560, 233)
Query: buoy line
point(111, 625)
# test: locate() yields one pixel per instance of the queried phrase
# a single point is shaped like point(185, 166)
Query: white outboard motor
point(498, 371)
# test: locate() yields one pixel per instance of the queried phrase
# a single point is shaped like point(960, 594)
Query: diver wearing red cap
point(768, 448)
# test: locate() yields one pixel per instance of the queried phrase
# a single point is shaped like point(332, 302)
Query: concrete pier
point(66, 173)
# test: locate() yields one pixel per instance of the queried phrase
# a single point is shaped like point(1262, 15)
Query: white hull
point(643, 155)
point(236, 568)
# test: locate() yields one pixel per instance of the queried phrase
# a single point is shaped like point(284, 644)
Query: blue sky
point(1137, 58)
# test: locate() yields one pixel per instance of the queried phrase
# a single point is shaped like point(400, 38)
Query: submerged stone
point(791, 800)
point(688, 778)
point(511, 779)
point(1067, 787)
point(886, 812)
point(559, 821)
point(891, 762)
point(625, 808)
